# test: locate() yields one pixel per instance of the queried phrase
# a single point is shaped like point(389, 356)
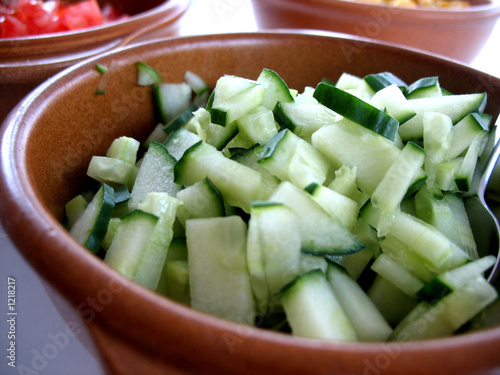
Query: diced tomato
point(39, 17)
point(13, 28)
point(80, 15)
point(34, 17)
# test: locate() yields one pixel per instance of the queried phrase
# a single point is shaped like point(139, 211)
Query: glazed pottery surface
point(49, 139)
point(456, 33)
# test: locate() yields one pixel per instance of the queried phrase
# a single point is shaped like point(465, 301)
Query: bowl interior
point(50, 139)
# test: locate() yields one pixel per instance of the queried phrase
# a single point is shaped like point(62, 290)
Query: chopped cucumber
point(130, 242)
point(219, 281)
point(367, 320)
point(91, 226)
point(357, 110)
point(238, 184)
point(340, 212)
point(156, 174)
point(147, 75)
point(321, 234)
point(273, 250)
point(275, 89)
point(347, 143)
point(312, 309)
point(454, 106)
point(171, 100)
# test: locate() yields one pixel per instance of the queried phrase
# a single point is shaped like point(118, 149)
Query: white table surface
point(43, 342)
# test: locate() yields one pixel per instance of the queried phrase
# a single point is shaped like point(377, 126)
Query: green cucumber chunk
point(92, 225)
point(357, 110)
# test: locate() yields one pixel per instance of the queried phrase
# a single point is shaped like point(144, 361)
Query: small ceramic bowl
point(25, 62)
point(49, 139)
point(459, 33)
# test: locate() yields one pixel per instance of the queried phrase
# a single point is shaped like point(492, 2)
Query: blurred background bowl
point(50, 137)
point(458, 33)
point(25, 62)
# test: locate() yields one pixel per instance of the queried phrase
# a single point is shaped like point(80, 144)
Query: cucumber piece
point(290, 158)
point(197, 84)
point(238, 184)
point(130, 242)
point(303, 119)
point(180, 141)
point(74, 209)
point(310, 262)
point(273, 250)
point(113, 224)
point(449, 314)
point(156, 174)
point(218, 276)
point(424, 88)
point(150, 266)
point(395, 103)
point(437, 140)
point(233, 97)
point(447, 282)
point(356, 263)
point(454, 106)
point(465, 173)
point(250, 158)
point(465, 131)
point(382, 80)
point(391, 301)
point(147, 75)
point(180, 120)
point(124, 149)
point(393, 187)
point(445, 174)
point(348, 81)
point(213, 134)
point(257, 126)
point(434, 249)
point(397, 274)
point(177, 253)
point(449, 216)
point(347, 143)
point(92, 225)
point(312, 310)
point(198, 201)
point(345, 184)
point(110, 171)
point(357, 110)
point(177, 281)
point(321, 235)
point(276, 155)
point(171, 100)
point(338, 206)
point(275, 89)
point(368, 322)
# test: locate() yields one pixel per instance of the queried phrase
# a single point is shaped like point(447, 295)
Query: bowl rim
point(490, 9)
point(29, 213)
point(138, 18)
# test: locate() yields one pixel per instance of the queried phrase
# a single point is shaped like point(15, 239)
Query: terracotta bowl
point(456, 33)
point(26, 62)
point(49, 139)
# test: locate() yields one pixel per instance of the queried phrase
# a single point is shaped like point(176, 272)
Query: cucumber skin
point(364, 114)
point(100, 228)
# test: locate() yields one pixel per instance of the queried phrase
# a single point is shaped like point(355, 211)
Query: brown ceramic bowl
point(456, 33)
point(49, 139)
point(26, 62)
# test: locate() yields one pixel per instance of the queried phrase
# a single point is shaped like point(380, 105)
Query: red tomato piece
point(39, 17)
point(12, 27)
point(80, 15)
